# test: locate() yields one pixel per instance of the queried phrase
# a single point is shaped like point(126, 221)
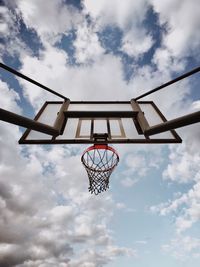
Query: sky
point(100, 50)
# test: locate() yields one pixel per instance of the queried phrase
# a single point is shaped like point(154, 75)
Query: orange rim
point(99, 146)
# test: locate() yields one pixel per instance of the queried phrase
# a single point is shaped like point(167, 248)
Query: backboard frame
point(141, 123)
point(107, 115)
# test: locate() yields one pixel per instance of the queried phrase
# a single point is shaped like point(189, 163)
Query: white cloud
point(183, 247)
point(128, 182)
point(49, 21)
point(182, 35)
point(8, 98)
point(139, 163)
point(183, 224)
point(129, 17)
point(9, 29)
point(88, 257)
point(136, 164)
point(120, 13)
point(122, 207)
point(87, 45)
point(196, 105)
point(183, 168)
point(163, 58)
point(7, 23)
point(136, 42)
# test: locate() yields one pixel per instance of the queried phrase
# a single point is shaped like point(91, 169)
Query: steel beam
point(16, 119)
point(173, 124)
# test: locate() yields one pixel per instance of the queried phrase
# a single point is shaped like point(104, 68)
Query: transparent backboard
point(119, 129)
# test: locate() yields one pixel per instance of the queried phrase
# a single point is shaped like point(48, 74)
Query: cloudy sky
point(99, 50)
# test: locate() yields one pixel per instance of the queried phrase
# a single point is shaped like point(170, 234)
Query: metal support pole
point(169, 83)
point(16, 119)
point(31, 80)
point(175, 123)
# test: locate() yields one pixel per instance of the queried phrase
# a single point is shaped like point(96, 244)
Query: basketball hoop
point(99, 162)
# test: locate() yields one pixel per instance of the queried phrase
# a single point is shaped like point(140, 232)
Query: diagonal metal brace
point(19, 120)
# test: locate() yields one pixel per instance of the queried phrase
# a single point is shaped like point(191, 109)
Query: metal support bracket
point(19, 120)
point(60, 120)
point(173, 124)
point(140, 116)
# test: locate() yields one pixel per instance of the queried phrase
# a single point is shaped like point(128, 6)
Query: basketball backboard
point(100, 122)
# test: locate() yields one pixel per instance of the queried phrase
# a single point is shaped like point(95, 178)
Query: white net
point(99, 162)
